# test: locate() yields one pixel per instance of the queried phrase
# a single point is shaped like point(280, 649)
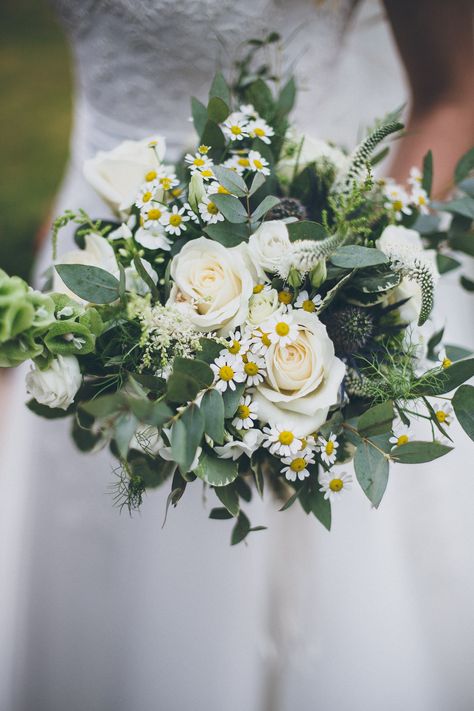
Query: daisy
point(281, 329)
point(151, 214)
point(248, 110)
point(153, 239)
point(261, 288)
point(168, 181)
point(306, 303)
point(281, 441)
point(285, 297)
point(228, 371)
point(209, 211)
point(146, 195)
point(400, 437)
point(443, 412)
point(419, 197)
point(333, 485)
point(297, 465)
point(236, 127)
point(239, 163)
point(443, 359)
point(328, 449)
point(237, 344)
point(197, 162)
point(216, 187)
point(398, 200)
point(173, 221)
point(415, 178)
point(258, 163)
point(207, 173)
point(260, 129)
point(190, 212)
point(254, 368)
point(260, 342)
point(204, 149)
point(151, 176)
point(247, 412)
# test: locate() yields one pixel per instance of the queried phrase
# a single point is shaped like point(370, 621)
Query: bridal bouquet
point(259, 314)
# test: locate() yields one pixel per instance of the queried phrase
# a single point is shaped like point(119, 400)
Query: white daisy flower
point(443, 412)
point(248, 110)
point(297, 465)
point(281, 441)
point(237, 344)
point(328, 449)
point(153, 239)
point(247, 412)
point(333, 485)
point(259, 342)
point(443, 359)
point(401, 435)
point(419, 197)
point(235, 127)
point(258, 163)
point(281, 329)
point(167, 180)
point(254, 369)
point(415, 179)
point(262, 288)
point(173, 221)
point(260, 129)
point(285, 297)
point(151, 214)
point(216, 187)
point(398, 200)
point(151, 176)
point(190, 212)
point(228, 370)
point(209, 211)
point(146, 195)
point(306, 303)
point(239, 162)
point(197, 162)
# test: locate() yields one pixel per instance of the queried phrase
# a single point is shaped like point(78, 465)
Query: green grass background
point(35, 114)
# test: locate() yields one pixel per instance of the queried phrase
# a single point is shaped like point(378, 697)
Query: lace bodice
point(138, 61)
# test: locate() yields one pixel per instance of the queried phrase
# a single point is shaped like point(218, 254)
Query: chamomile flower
point(146, 195)
point(151, 214)
point(174, 221)
point(306, 303)
point(334, 484)
point(236, 127)
point(216, 187)
point(443, 359)
point(197, 162)
point(260, 342)
point(254, 368)
point(207, 173)
point(328, 449)
point(258, 163)
point(247, 412)
point(443, 412)
point(285, 297)
point(248, 110)
point(297, 465)
point(168, 180)
point(415, 179)
point(228, 370)
point(153, 239)
point(281, 329)
point(419, 197)
point(237, 344)
point(281, 441)
point(150, 176)
point(262, 288)
point(239, 162)
point(400, 436)
point(190, 212)
point(209, 211)
point(397, 200)
point(260, 129)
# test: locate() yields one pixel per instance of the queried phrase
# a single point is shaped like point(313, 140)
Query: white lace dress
point(101, 612)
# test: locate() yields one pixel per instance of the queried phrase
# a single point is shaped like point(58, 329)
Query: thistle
point(287, 207)
point(350, 329)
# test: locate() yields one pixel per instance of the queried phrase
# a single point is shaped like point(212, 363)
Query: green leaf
point(460, 206)
point(371, 468)
point(143, 274)
point(467, 284)
point(230, 180)
point(259, 94)
point(447, 379)
point(375, 280)
point(217, 109)
point(427, 180)
point(150, 412)
point(186, 435)
point(104, 406)
point(352, 256)
point(286, 99)
point(447, 264)
point(90, 283)
point(257, 182)
point(304, 229)
point(231, 208)
point(457, 352)
point(463, 404)
point(210, 349)
point(267, 204)
point(419, 452)
point(215, 471)
point(220, 514)
point(312, 500)
point(213, 136)
point(189, 376)
point(219, 88)
point(232, 398)
point(212, 408)
point(464, 166)
point(199, 114)
point(463, 243)
point(125, 427)
point(229, 497)
point(49, 413)
point(376, 420)
point(240, 530)
point(226, 233)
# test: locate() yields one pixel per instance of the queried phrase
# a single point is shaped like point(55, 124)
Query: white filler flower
point(57, 385)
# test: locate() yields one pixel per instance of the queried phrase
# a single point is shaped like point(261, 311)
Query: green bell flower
point(69, 338)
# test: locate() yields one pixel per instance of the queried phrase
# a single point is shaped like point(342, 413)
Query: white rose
point(262, 306)
point(97, 253)
point(57, 385)
point(266, 246)
point(118, 174)
point(214, 283)
point(303, 378)
point(312, 150)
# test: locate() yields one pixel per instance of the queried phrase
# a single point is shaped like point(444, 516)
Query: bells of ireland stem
point(318, 274)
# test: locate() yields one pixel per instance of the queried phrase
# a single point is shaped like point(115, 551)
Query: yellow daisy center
point(397, 205)
point(203, 149)
point(446, 362)
point(146, 197)
point(243, 411)
point(234, 348)
point(244, 162)
point(298, 464)
point(329, 448)
point(251, 368)
point(403, 439)
point(309, 305)
point(207, 173)
point(282, 328)
point(176, 192)
point(154, 213)
point(286, 437)
point(336, 484)
point(284, 297)
point(266, 340)
point(165, 183)
point(441, 415)
point(175, 220)
point(226, 373)
point(222, 190)
point(258, 288)
point(421, 200)
point(259, 131)
point(258, 164)
point(235, 130)
point(212, 208)
point(304, 443)
point(199, 162)
point(151, 175)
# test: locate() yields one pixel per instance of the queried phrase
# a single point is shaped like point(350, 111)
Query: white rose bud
point(57, 385)
point(303, 150)
point(266, 246)
point(262, 306)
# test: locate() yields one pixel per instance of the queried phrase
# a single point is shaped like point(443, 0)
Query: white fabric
point(100, 612)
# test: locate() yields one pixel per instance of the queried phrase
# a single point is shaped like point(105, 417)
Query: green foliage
point(376, 420)
point(464, 166)
point(312, 501)
point(440, 381)
point(352, 256)
point(306, 229)
point(361, 156)
point(89, 283)
point(212, 408)
point(463, 404)
point(371, 465)
point(229, 497)
point(189, 376)
point(215, 471)
point(427, 180)
point(419, 452)
point(186, 435)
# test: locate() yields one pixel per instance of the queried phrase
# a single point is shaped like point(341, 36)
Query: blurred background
point(35, 118)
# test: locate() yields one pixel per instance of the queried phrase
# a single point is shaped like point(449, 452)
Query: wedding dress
point(102, 612)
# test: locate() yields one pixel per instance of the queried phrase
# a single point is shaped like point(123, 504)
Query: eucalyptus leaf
point(463, 404)
point(446, 380)
point(226, 233)
point(217, 109)
point(371, 468)
point(459, 206)
point(212, 408)
point(220, 514)
point(353, 256)
point(267, 204)
point(305, 229)
point(232, 398)
point(464, 166)
point(231, 180)
point(231, 208)
point(125, 427)
point(229, 497)
point(377, 420)
point(257, 182)
point(240, 530)
point(186, 435)
point(419, 452)
point(287, 96)
point(312, 500)
point(219, 88)
point(427, 180)
point(199, 114)
point(95, 285)
point(215, 471)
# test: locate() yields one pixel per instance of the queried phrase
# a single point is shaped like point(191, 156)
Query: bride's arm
point(435, 40)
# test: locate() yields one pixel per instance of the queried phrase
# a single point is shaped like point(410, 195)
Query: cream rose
point(302, 150)
point(97, 253)
point(213, 283)
point(262, 306)
point(116, 175)
point(303, 378)
point(57, 385)
point(266, 246)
